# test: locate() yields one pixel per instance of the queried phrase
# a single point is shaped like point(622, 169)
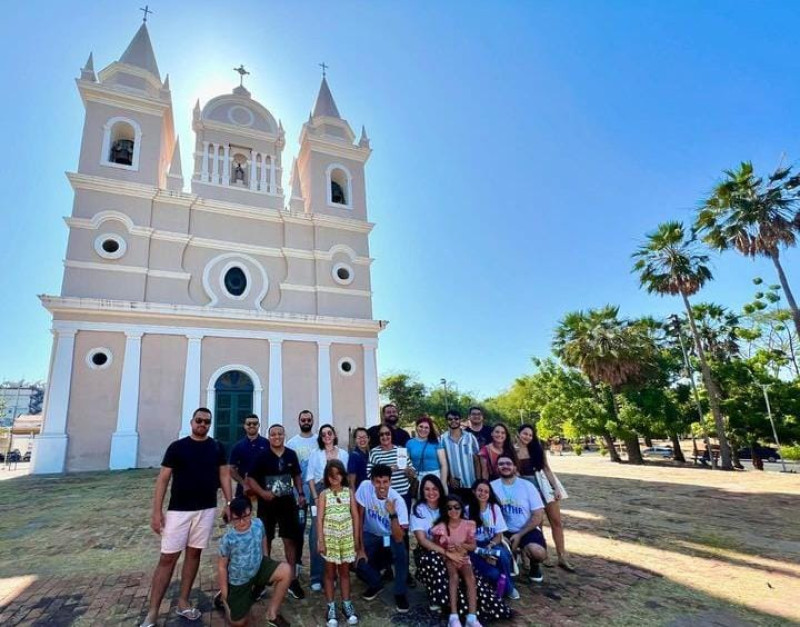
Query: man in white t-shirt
point(302, 444)
point(523, 511)
point(384, 520)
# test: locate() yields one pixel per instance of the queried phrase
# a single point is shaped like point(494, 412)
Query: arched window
point(121, 139)
point(339, 188)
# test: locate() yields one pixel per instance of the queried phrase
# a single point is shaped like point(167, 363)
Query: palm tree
point(670, 264)
point(607, 350)
point(755, 217)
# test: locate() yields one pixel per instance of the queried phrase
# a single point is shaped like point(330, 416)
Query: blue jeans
point(492, 572)
point(378, 558)
point(314, 558)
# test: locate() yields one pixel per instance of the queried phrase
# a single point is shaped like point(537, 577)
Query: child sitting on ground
point(457, 536)
point(339, 538)
point(244, 569)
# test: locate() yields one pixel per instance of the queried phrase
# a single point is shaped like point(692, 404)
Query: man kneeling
point(244, 569)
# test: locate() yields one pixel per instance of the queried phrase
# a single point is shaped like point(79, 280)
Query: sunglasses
point(203, 421)
point(251, 424)
point(385, 434)
point(453, 508)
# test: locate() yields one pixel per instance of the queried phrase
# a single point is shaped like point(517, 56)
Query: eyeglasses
point(242, 517)
point(251, 424)
point(453, 418)
point(385, 434)
point(203, 421)
point(505, 463)
point(453, 508)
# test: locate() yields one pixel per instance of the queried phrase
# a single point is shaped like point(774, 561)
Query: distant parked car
point(664, 452)
point(27, 456)
point(14, 456)
point(764, 452)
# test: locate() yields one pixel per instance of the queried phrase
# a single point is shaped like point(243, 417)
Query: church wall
point(89, 202)
point(218, 352)
point(166, 255)
point(300, 271)
point(160, 395)
point(296, 301)
point(299, 236)
point(344, 305)
point(234, 229)
point(93, 402)
point(317, 164)
point(168, 291)
point(170, 217)
point(81, 245)
point(329, 237)
point(348, 391)
point(97, 115)
point(243, 196)
point(300, 389)
point(87, 283)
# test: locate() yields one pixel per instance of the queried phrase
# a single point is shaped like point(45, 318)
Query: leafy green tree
point(405, 391)
point(668, 263)
point(608, 351)
point(755, 217)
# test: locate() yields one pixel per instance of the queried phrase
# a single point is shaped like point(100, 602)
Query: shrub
point(578, 449)
point(791, 453)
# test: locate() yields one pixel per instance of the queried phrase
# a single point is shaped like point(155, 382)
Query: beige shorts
point(182, 529)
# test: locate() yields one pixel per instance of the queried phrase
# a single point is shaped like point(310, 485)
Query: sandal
point(190, 613)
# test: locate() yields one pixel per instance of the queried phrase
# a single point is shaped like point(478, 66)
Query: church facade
point(236, 295)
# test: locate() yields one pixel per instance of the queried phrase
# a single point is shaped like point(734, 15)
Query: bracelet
point(392, 516)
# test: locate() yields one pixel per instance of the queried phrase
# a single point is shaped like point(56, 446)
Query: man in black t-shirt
point(390, 417)
point(274, 477)
point(478, 428)
point(197, 467)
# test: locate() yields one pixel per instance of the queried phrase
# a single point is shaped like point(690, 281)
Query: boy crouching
point(244, 569)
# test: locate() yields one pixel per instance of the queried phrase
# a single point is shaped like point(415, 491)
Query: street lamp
point(675, 325)
point(446, 400)
point(764, 387)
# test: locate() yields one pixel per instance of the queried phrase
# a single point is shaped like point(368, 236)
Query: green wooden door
point(234, 400)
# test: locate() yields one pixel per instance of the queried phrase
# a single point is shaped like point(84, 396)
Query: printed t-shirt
point(493, 523)
point(275, 472)
point(423, 518)
point(195, 473)
point(424, 455)
point(519, 500)
point(244, 551)
point(483, 435)
point(376, 518)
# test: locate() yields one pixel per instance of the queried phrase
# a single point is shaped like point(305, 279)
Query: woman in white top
point(489, 536)
point(430, 557)
point(328, 444)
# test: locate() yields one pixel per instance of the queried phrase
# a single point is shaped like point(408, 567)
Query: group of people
point(473, 501)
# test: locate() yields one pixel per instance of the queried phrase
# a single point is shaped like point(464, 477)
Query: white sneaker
point(454, 621)
point(473, 623)
point(316, 587)
point(513, 594)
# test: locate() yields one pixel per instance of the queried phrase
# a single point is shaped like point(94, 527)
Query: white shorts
point(182, 529)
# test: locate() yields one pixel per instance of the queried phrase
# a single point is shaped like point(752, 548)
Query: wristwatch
point(392, 516)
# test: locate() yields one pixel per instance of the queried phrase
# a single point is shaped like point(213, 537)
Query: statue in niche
point(238, 173)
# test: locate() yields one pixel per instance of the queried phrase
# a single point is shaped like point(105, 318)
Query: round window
point(342, 274)
point(98, 358)
point(235, 281)
point(347, 366)
point(110, 246)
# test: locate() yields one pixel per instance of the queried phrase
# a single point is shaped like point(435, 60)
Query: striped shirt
point(400, 480)
point(460, 456)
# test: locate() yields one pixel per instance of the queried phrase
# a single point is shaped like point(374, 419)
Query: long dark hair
point(320, 443)
point(437, 483)
point(443, 515)
point(508, 446)
point(335, 464)
point(535, 449)
point(355, 444)
point(493, 500)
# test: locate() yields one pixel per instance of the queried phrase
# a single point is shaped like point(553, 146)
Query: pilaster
point(191, 382)
point(125, 441)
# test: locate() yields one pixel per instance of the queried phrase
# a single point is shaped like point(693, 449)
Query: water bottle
point(486, 552)
point(301, 516)
point(502, 582)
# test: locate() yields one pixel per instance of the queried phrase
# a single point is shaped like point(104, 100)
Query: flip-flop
point(190, 613)
point(148, 623)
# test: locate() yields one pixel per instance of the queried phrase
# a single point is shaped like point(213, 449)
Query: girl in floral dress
point(339, 538)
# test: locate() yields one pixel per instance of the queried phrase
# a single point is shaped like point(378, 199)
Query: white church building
point(237, 295)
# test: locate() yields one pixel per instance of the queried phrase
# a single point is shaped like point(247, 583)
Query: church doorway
point(233, 401)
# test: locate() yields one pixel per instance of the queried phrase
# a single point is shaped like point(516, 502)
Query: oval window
point(235, 281)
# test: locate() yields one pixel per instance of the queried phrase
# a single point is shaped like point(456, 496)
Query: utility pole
point(446, 400)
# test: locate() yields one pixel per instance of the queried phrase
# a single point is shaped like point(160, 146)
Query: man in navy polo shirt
point(245, 452)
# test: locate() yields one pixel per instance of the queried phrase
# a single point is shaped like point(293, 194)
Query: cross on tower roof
point(241, 71)
point(146, 10)
point(324, 67)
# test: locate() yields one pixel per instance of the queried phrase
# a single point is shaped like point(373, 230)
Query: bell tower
point(330, 164)
point(128, 133)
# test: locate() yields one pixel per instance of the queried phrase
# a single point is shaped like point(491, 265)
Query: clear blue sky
point(521, 149)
